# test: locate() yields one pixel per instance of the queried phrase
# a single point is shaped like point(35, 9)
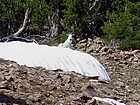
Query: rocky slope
point(22, 85)
point(122, 66)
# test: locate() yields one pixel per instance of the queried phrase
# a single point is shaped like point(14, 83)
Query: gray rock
point(132, 103)
point(66, 79)
point(136, 97)
point(89, 50)
point(35, 97)
point(120, 84)
point(85, 96)
point(98, 49)
point(88, 89)
point(83, 41)
point(90, 40)
point(91, 102)
point(104, 49)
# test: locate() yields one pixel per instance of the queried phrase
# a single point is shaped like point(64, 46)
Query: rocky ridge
point(122, 66)
point(22, 85)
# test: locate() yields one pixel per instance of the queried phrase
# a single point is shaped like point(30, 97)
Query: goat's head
point(70, 36)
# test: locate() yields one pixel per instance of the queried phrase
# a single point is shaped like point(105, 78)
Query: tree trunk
point(25, 22)
point(15, 37)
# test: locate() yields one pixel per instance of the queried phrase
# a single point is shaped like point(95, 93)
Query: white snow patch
point(52, 58)
point(109, 100)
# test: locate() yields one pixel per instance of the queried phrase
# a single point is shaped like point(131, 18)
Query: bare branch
point(25, 22)
point(93, 4)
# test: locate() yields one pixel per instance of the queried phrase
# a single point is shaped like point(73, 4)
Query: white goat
point(67, 43)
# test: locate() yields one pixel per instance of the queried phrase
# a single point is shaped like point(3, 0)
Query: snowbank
point(52, 58)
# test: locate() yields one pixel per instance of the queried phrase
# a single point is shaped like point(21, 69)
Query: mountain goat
point(67, 43)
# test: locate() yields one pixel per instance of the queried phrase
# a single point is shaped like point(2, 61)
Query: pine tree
point(124, 24)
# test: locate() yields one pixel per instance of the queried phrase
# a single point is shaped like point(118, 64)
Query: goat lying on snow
point(67, 43)
point(52, 58)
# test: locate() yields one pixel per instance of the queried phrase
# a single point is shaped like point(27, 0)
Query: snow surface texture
point(52, 58)
point(109, 100)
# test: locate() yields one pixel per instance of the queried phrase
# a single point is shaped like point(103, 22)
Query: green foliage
point(41, 10)
point(55, 42)
point(79, 13)
point(12, 14)
point(74, 17)
point(124, 25)
point(9, 15)
point(79, 17)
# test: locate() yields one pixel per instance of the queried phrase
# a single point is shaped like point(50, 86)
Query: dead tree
point(15, 36)
point(55, 28)
point(25, 22)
